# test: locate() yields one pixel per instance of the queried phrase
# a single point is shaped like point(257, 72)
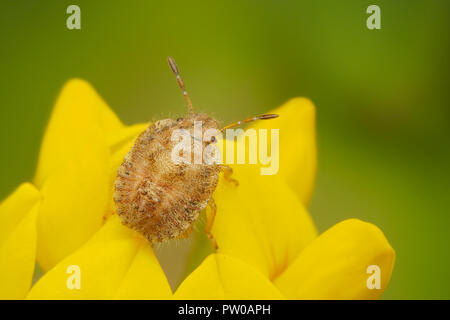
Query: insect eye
point(213, 139)
point(180, 119)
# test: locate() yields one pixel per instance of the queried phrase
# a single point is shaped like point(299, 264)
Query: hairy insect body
point(161, 198)
point(157, 197)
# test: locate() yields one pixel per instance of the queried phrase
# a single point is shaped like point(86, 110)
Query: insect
point(159, 198)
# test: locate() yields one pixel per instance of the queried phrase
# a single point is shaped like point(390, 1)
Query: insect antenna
point(261, 117)
point(180, 82)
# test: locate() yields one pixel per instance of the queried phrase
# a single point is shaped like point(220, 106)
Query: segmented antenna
point(180, 82)
point(261, 117)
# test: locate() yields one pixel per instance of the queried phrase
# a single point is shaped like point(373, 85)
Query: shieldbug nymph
point(159, 198)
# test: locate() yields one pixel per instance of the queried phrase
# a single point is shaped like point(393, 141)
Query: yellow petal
point(73, 172)
point(335, 265)
point(18, 241)
point(145, 278)
point(116, 262)
point(75, 199)
point(118, 138)
point(261, 221)
point(224, 277)
point(78, 114)
point(298, 154)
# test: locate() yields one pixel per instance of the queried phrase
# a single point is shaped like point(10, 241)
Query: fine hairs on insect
point(162, 199)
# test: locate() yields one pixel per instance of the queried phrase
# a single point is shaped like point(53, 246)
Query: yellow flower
point(269, 248)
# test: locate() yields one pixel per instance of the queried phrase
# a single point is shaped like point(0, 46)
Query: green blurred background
point(382, 96)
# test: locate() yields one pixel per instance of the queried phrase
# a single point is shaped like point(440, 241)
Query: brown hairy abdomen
point(156, 197)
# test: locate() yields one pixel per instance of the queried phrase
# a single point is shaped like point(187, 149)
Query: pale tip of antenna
point(268, 116)
point(172, 64)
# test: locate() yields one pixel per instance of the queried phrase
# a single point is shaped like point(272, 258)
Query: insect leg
point(210, 221)
point(227, 173)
